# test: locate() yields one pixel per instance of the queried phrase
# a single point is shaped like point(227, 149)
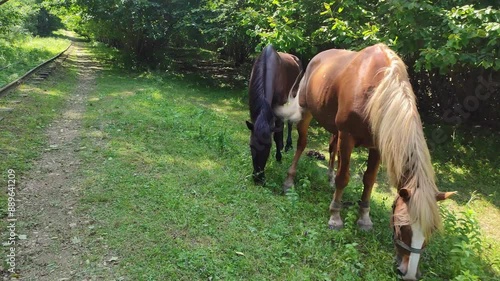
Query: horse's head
point(408, 237)
point(260, 147)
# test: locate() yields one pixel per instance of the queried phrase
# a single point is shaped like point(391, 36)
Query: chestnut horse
point(365, 99)
point(273, 75)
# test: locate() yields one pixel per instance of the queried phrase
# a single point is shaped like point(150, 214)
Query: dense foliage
point(20, 48)
point(443, 35)
point(26, 17)
point(451, 47)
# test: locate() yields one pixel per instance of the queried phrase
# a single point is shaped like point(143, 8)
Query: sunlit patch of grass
point(33, 108)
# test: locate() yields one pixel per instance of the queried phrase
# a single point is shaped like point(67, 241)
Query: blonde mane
point(397, 131)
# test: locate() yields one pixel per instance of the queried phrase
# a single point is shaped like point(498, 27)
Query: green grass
point(22, 54)
point(167, 179)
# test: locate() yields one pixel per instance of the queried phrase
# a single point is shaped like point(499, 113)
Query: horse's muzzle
point(401, 271)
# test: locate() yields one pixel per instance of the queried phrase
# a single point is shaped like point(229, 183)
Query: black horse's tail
point(261, 86)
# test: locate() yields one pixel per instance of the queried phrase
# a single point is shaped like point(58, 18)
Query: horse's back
point(357, 83)
point(319, 87)
point(290, 61)
point(289, 69)
point(272, 77)
point(339, 83)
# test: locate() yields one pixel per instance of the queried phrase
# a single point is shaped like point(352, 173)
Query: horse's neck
point(261, 106)
point(266, 114)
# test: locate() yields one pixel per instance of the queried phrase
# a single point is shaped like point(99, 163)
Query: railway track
point(41, 71)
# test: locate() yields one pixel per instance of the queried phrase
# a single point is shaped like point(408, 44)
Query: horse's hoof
point(335, 226)
point(259, 179)
point(364, 222)
point(288, 147)
point(364, 226)
point(287, 185)
point(332, 184)
point(286, 189)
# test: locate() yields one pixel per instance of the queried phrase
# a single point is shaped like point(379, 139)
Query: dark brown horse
point(272, 77)
point(365, 99)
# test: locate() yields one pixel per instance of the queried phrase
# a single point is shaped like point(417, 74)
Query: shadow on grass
point(468, 161)
point(72, 36)
point(207, 70)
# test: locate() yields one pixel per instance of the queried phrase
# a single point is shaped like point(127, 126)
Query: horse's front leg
point(364, 221)
point(346, 144)
point(278, 137)
point(302, 127)
point(289, 145)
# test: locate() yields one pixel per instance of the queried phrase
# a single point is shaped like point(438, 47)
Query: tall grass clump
point(460, 247)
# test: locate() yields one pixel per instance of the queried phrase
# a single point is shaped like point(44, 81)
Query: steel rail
point(18, 81)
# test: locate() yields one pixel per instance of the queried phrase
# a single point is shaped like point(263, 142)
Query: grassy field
point(166, 179)
point(23, 54)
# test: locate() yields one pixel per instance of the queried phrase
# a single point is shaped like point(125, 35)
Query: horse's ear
point(440, 196)
point(405, 193)
point(249, 125)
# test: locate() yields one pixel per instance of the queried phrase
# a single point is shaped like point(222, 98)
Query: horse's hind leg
point(289, 137)
point(364, 221)
point(346, 144)
point(302, 127)
point(333, 148)
point(278, 138)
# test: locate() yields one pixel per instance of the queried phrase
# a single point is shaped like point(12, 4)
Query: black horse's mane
point(257, 88)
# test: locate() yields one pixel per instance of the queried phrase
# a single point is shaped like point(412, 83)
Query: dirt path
point(50, 245)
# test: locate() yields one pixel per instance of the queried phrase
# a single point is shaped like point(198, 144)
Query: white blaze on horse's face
point(417, 242)
point(409, 240)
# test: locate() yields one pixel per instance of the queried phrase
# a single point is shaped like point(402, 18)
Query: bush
point(461, 246)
